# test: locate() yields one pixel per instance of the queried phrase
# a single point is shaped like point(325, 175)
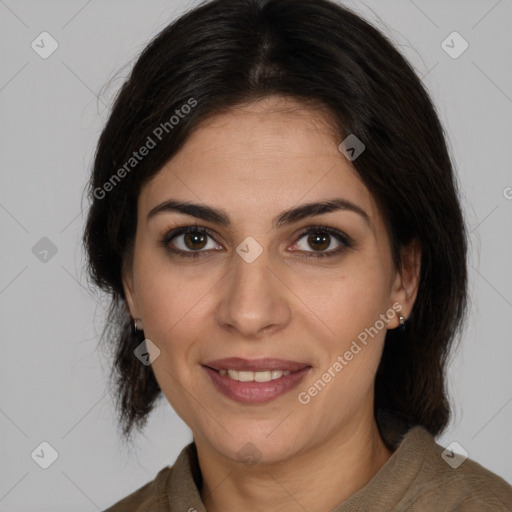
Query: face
point(241, 277)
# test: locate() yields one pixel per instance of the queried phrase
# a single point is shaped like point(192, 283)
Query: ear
point(129, 292)
point(405, 286)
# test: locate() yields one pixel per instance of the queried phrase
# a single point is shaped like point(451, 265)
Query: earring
point(135, 329)
point(402, 321)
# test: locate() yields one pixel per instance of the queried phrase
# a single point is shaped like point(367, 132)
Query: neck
point(318, 479)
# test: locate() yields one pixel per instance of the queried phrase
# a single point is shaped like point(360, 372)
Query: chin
point(252, 450)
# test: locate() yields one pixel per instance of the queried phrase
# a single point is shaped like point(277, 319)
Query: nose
point(254, 301)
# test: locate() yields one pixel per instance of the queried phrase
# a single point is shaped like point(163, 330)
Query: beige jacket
point(415, 479)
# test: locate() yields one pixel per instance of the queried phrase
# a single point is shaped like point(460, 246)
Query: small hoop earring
point(135, 329)
point(402, 321)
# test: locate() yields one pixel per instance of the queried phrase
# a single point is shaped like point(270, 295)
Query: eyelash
point(346, 241)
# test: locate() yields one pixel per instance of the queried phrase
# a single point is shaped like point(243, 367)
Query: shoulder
point(175, 487)
point(457, 483)
point(148, 497)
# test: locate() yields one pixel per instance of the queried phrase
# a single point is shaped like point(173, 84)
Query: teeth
point(264, 376)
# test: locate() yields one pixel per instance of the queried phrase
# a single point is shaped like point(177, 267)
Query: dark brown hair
point(226, 53)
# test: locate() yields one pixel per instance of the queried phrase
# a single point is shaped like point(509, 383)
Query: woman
point(275, 214)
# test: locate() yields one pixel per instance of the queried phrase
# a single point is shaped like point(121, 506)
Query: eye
point(193, 242)
point(321, 238)
point(189, 241)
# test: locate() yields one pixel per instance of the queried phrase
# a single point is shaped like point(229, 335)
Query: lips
point(255, 365)
point(253, 392)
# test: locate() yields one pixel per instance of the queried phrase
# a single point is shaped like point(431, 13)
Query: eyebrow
point(287, 217)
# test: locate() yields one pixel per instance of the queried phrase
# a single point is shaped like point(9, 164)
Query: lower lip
point(255, 392)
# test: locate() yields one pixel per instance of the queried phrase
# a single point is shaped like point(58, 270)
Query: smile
point(261, 376)
point(249, 387)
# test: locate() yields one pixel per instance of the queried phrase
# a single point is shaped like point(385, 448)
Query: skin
point(254, 162)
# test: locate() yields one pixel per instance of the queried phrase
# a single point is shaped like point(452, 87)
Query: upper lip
point(255, 365)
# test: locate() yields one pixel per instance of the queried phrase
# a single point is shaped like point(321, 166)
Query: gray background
point(53, 378)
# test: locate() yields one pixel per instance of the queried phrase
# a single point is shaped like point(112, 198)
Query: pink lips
point(255, 392)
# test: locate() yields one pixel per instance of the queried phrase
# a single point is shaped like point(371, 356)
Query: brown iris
point(318, 241)
point(195, 240)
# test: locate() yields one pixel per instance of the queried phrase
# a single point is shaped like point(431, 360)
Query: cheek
point(349, 300)
point(351, 303)
point(167, 294)
point(351, 355)
point(173, 311)
point(175, 303)
point(172, 304)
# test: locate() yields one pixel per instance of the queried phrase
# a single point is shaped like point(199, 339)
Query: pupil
point(193, 239)
point(316, 238)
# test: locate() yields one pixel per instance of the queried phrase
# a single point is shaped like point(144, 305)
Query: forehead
point(261, 157)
